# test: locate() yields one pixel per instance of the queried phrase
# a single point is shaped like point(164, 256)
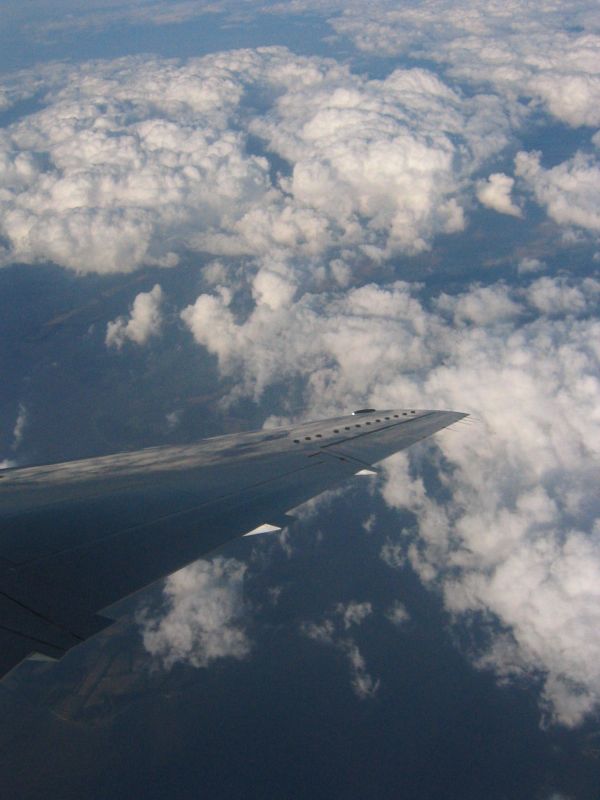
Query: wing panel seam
point(35, 639)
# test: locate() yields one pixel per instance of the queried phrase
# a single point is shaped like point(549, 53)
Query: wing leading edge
point(76, 537)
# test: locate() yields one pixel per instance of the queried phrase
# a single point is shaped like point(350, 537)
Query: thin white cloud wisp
point(333, 631)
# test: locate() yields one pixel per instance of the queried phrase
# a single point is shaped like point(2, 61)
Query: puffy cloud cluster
point(202, 622)
point(121, 162)
point(262, 153)
point(518, 540)
point(383, 151)
point(145, 320)
point(523, 555)
point(326, 632)
point(141, 161)
point(549, 54)
point(570, 192)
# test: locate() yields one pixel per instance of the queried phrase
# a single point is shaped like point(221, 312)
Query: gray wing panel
point(98, 573)
point(77, 537)
point(394, 437)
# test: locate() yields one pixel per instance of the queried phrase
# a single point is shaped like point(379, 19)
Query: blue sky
point(218, 217)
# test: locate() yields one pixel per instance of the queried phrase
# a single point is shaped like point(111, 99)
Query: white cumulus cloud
point(140, 161)
point(495, 193)
point(203, 618)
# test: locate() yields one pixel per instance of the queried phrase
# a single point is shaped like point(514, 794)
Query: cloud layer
point(249, 153)
point(293, 167)
point(289, 179)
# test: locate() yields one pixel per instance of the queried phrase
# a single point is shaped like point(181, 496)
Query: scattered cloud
point(518, 538)
point(370, 523)
point(353, 613)
point(398, 614)
point(17, 435)
point(145, 320)
point(173, 418)
point(319, 631)
point(203, 617)
point(393, 554)
point(363, 684)
point(346, 615)
point(275, 593)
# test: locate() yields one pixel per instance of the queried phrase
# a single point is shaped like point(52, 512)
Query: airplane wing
point(76, 537)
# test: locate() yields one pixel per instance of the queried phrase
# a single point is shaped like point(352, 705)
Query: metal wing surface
point(76, 537)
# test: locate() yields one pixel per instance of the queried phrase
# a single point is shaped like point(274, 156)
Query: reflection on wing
point(77, 537)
